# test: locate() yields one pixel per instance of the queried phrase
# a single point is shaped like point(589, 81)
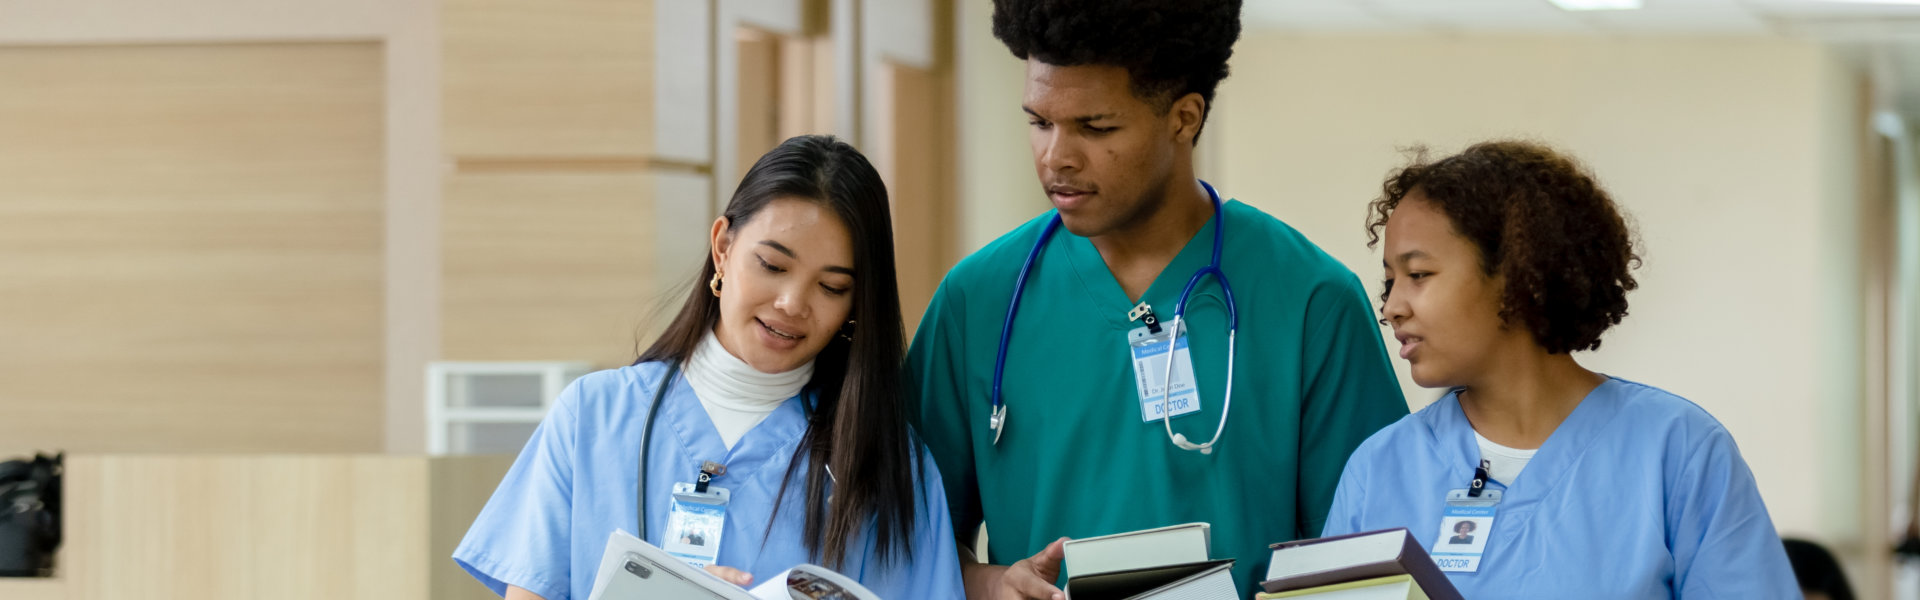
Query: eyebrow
point(1081, 120)
point(1405, 256)
point(783, 249)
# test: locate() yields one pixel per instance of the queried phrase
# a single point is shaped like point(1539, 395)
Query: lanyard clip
point(1479, 483)
point(1143, 310)
point(708, 471)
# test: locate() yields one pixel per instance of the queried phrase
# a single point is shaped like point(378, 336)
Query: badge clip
point(708, 471)
point(1480, 476)
point(1141, 311)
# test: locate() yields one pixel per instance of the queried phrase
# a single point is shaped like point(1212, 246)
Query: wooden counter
point(271, 526)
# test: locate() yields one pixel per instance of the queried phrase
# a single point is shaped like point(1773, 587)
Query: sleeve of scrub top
point(1350, 392)
point(522, 536)
point(1723, 541)
point(935, 378)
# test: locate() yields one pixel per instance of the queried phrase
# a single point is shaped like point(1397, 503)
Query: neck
point(1526, 396)
point(1138, 251)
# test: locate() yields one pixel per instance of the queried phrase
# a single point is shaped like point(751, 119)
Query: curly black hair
point(1170, 48)
point(1540, 219)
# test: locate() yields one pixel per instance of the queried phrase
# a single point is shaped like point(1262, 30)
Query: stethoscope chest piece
point(997, 420)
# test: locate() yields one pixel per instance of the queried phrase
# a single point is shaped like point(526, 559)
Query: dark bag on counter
point(29, 515)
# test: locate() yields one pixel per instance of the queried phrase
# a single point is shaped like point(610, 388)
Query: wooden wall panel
point(546, 266)
point(919, 174)
point(548, 77)
point(191, 247)
point(759, 106)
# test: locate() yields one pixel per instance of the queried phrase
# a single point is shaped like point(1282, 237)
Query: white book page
point(809, 582)
point(1211, 584)
point(665, 574)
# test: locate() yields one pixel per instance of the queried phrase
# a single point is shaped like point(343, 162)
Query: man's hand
point(1030, 579)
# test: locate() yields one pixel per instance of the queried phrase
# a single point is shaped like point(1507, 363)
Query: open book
point(632, 569)
point(1161, 563)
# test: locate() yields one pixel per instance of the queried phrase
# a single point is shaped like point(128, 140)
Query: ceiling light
point(1600, 4)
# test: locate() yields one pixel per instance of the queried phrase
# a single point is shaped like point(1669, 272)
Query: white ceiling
point(1840, 21)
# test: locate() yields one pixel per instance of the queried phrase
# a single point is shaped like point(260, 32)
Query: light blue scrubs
point(1638, 494)
point(547, 525)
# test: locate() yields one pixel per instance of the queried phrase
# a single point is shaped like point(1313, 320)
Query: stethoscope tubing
point(997, 418)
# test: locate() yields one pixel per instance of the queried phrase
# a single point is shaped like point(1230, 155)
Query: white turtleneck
point(737, 396)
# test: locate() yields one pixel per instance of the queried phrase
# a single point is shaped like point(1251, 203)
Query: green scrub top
point(1311, 382)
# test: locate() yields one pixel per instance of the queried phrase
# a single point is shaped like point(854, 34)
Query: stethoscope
point(997, 419)
point(707, 471)
point(646, 435)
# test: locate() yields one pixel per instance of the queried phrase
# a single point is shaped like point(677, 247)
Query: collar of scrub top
point(997, 418)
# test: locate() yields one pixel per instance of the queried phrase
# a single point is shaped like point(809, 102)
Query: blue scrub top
point(1638, 494)
point(547, 525)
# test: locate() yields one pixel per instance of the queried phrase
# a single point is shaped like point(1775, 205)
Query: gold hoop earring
point(714, 284)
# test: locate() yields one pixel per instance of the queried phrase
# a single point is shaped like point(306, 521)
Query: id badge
point(1464, 529)
point(1150, 373)
point(695, 524)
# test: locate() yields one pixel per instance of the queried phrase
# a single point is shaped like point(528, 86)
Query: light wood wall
point(549, 128)
point(920, 180)
point(247, 235)
point(545, 266)
point(191, 247)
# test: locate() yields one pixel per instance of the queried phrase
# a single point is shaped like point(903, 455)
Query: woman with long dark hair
point(773, 396)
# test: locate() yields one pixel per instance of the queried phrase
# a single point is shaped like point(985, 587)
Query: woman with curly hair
point(1500, 263)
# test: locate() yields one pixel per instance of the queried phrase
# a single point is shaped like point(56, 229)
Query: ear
point(1188, 113)
point(722, 242)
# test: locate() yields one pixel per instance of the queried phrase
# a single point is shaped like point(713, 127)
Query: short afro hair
point(1540, 219)
point(1170, 48)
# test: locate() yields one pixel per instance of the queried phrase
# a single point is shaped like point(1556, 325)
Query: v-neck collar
point(1103, 292)
point(772, 438)
point(1544, 475)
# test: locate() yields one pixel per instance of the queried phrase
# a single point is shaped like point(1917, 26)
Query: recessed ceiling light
point(1603, 4)
point(1908, 2)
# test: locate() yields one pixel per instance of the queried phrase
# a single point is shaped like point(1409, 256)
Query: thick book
point(1397, 587)
point(632, 569)
point(1158, 547)
point(1355, 557)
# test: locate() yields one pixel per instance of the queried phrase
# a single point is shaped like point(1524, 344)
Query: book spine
point(1433, 581)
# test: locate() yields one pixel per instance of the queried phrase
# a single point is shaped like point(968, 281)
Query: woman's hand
point(732, 575)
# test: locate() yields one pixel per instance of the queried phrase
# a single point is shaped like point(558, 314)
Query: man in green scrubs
point(1116, 95)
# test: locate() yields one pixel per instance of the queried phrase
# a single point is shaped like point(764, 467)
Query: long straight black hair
point(857, 426)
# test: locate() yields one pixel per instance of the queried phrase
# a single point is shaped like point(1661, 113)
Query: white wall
point(1737, 158)
point(998, 190)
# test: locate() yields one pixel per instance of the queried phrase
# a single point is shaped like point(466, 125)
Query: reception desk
point(265, 526)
